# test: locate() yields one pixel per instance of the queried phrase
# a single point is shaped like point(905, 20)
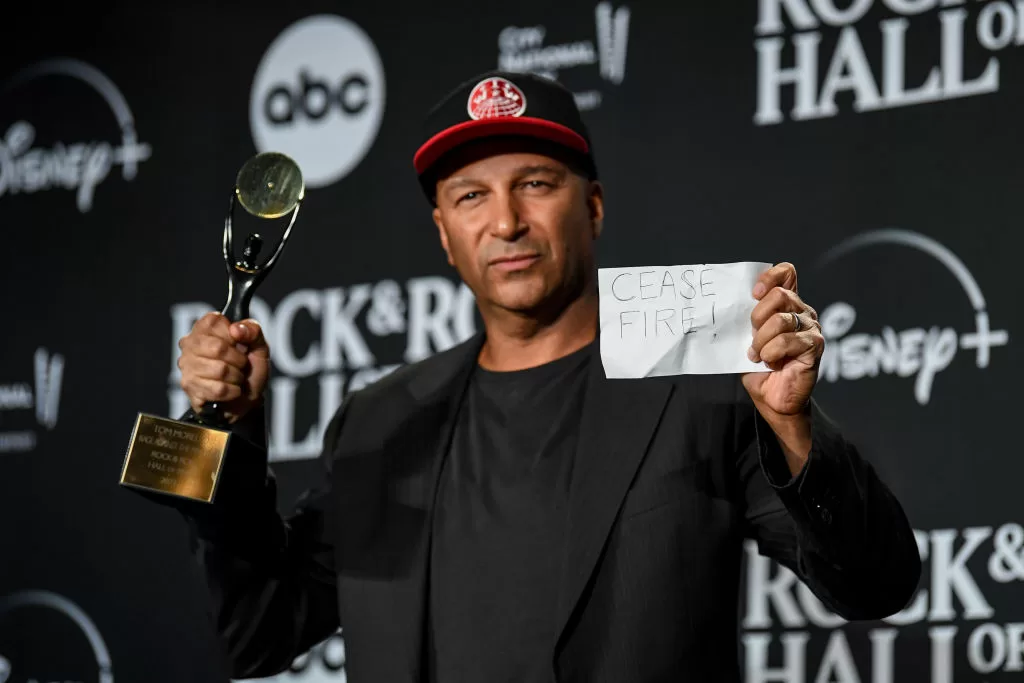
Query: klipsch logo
point(318, 96)
point(918, 352)
point(77, 166)
point(880, 70)
point(52, 618)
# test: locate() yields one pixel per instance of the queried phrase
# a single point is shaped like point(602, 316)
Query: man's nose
point(507, 221)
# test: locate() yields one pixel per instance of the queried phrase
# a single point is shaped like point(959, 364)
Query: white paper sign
point(678, 320)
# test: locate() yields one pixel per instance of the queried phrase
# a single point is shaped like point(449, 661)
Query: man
point(502, 511)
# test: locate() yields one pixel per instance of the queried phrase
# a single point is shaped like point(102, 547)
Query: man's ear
point(443, 234)
point(595, 205)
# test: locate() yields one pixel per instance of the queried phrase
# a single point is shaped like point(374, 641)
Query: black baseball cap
point(501, 103)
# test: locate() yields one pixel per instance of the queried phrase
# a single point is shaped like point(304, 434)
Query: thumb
point(249, 334)
point(753, 382)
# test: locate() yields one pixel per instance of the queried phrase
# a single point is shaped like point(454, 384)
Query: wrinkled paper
point(678, 320)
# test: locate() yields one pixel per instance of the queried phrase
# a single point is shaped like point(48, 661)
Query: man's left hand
point(787, 337)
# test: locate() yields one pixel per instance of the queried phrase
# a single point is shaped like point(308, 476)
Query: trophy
point(185, 459)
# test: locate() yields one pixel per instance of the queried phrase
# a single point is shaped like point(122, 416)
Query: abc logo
point(314, 99)
point(318, 96)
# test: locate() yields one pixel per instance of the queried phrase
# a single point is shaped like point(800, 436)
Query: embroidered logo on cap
point(495, 98)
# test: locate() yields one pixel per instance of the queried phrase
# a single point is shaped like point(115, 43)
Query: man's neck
point(517, 342)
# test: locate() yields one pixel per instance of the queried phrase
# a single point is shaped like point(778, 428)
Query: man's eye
point(468, 196)
point(537, 183)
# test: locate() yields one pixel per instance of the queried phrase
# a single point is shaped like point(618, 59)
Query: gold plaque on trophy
point(175, 457)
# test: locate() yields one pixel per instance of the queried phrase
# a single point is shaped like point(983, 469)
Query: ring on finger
point(797, 323)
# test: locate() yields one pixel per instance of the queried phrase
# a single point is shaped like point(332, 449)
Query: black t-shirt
point(500, 522)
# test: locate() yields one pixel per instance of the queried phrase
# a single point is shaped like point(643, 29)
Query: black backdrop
point(123, 126)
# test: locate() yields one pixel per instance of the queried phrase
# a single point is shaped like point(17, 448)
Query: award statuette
point(182, 458)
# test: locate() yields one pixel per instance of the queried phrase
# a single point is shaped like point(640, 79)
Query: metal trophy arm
point(268, 191)
point(284, 238)
point(229, 247)
point(246, 274)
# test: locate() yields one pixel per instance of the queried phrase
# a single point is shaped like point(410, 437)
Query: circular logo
point(863, 342)
point(318, 96)
point(41, 619)
point(79, 165)
point(495, 98)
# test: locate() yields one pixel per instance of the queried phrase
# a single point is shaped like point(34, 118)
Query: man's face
point(518, 226)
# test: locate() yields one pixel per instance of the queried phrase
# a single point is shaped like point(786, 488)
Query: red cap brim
point(450, 138)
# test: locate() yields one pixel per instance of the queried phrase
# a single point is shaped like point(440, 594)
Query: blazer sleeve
point(271, 579)
point(835, 524)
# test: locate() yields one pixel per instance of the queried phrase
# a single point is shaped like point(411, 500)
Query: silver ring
point(797, 323)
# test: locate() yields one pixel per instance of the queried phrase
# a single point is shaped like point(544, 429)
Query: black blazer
point(671, 475)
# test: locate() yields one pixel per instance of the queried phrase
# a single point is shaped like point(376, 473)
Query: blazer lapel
point(619, 418)
point(392, 597)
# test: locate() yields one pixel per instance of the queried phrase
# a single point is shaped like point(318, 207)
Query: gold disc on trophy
point(269, 185)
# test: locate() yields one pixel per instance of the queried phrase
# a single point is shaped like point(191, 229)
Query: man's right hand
point(224, 362)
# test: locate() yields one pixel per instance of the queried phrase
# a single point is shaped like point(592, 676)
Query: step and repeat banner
point(876, 144)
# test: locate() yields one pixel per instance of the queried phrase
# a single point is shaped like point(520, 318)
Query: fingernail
point(759, 290)
point(752, 355)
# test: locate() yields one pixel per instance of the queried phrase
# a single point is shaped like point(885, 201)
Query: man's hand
point(787, 337)
point(224, 362)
